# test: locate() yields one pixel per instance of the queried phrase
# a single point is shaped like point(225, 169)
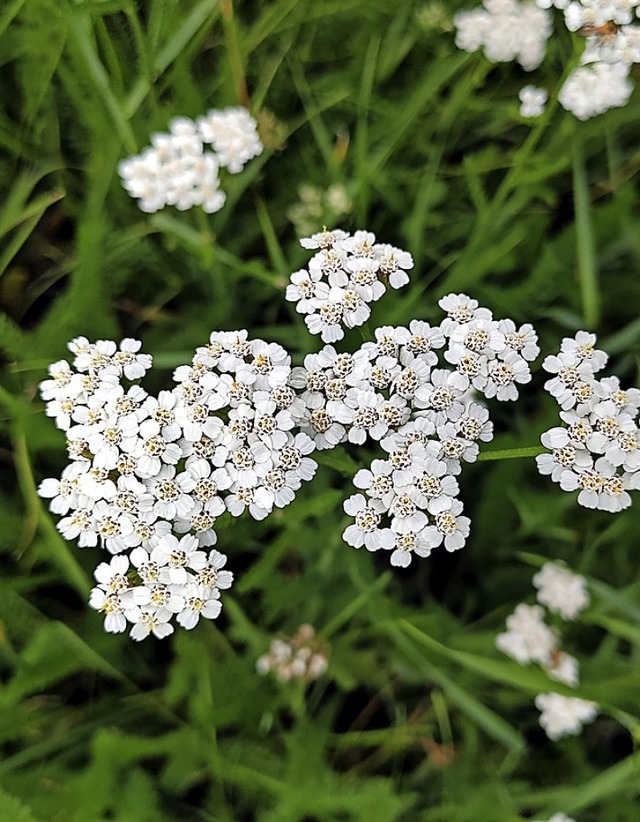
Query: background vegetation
point(419, 716)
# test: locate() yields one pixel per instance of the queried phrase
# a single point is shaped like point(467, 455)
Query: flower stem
point(585, 247)
point(512, 453)
point(235, 55)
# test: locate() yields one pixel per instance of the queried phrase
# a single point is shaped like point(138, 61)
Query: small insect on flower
point(604, 33)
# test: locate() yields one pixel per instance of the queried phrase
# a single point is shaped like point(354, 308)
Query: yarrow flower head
point(423, 417)
point(149, 476)
point(597, 450)
point(177, 170)
point(508, 30)
point(346, 274)
point(505, 30)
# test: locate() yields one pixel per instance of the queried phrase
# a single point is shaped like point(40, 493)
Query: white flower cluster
point(302, 656)
point(345, 275)
point(612, 46)
point(318, 206)
point(422, 416)
point(506, 30)
point(561, 817)
point(528, 638)
point(176, 169)
point(143, 467)
point(593, 89)
point(597, 450)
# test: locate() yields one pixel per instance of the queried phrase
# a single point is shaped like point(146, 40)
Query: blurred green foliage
point(418, 717)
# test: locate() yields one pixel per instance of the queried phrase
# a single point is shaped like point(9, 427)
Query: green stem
point(235, 55)
point(585, 246)
point(512, 453)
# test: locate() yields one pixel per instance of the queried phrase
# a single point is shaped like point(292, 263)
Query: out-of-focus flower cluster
point(346, 274)
point(509, 30)
point(597, 450)
point(302, 656)
point(423, 416)
point(561, 817)
point(529, 638)
point(177, 170)
point(505, 30)
point(318, 206)
point(612, 47)
point(144, 467)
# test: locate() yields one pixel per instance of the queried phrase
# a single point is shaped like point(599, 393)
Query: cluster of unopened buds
point(530, 639)
point(177, 170)
point(597, 450)
point(511, 30)
point(303, 656)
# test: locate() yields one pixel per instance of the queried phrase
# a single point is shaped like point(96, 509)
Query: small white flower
point(360, 411)
point(155, 622)
point(404, 546)
point(199, 601)
point(393, 264)
point(174, 556)
point(377, 481)
point(434, 489)
point(449, 527)
point(114, 608)
point(364, 531)
point(523, 340)
point(212, 575)
point(503, 374)
point(460, 310)
point(324, 239)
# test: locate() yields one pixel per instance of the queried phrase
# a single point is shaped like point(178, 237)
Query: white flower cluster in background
point(317, 206)
point(302, 656)
point(146, 470)
point(612, 46)
point(505, 30)
point(508, 30)
point(597, 450)
point(560, 817)
point(422, 415)
point(595, 88)
point(345, 275)
point(529, 638)
point(177, 170)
